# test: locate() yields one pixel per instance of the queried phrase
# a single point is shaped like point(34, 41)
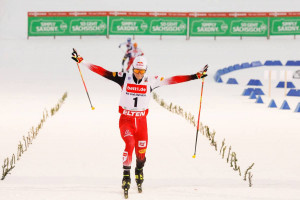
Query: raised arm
point(121, 44)
point(117, 77)
point(160, 81)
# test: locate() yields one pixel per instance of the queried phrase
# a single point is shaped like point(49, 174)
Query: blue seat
point(277, 62)
point(272, 104)
point(298, 108)
point(220, 72)
point(216, 77)
point(256, 64)
point(245, 65)
point(258, 83)
point(292, 92)
point(232, 81)
point(258, 91)
point(252, 95)
point(225, 70)
point(285, 105)
point(293, 63)
point(231, 68)
point(259, 100)
point(289, 84)
point(251, 82)
point(237, 67)
point(280, 84)
point(297, 93)
point(254, 82)
point(273, 63)
point(247, 91)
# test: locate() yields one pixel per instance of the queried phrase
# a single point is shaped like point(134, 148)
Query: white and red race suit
point(135, 52)
point(133, 107)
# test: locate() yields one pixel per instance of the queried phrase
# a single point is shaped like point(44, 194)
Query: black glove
point(202, 73)
point(76, 57)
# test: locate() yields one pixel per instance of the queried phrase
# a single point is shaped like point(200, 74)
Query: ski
point(126, 193)
point(139, 176)
point(140, 188)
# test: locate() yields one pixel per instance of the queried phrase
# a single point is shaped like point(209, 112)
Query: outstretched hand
point(202, 73)
point(76, 57)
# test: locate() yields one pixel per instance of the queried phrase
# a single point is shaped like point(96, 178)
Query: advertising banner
point(49, 26)
point(256, 24)
point(285, 26)
point(228, 26)
point(147, 26)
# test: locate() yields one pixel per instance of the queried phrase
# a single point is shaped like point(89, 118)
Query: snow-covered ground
point(78, 152)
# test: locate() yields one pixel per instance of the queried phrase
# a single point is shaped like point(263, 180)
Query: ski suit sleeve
point(117, 77)
point(123, 43)
point(160, 81)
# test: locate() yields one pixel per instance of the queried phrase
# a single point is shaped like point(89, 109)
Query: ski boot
point(139, 175)
point(139, 178)
point(126, 182)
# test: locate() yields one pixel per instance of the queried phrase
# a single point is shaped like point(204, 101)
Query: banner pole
point(107, 27)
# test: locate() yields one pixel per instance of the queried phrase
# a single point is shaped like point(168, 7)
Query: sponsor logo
point(134, 113)
point(142, 151)
point(114, 74)
point(139, 64)
point(139, 89)
point(127, 133)
point(162, 78)
point(125, 156)
point(142, 143)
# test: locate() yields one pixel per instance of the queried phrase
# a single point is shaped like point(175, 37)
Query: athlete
point(134, 52)
point(136, 88)
point(127, 54)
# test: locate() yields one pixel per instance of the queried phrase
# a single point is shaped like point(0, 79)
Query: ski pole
point(93, 108)
point(194, 156)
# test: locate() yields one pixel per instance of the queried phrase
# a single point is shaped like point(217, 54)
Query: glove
point(76, 57)
point(202, 73)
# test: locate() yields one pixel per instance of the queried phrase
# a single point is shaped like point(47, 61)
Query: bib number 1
point(135, 101)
